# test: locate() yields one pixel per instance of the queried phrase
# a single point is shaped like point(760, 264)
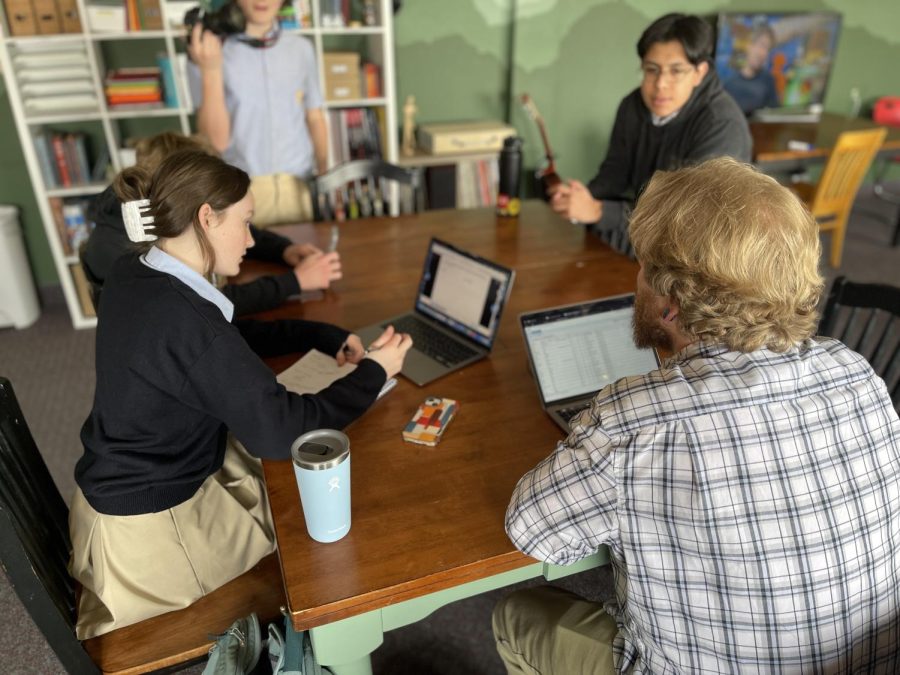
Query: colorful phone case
point(430, 421)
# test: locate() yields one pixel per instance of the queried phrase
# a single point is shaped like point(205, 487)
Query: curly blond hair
point(738, 252)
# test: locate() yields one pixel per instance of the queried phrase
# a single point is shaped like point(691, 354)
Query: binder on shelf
point(47, 16)
point(149, 15)
point(167, 76)
point(20, 17)
point(68, 14)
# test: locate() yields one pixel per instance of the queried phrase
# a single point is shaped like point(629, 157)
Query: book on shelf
point(83, 290)
point(167, 78)
point(63, 159)
point(348, 13)
point(356, 133)
point(371, 80)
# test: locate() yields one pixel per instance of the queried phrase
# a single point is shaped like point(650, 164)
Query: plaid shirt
point(751, 504)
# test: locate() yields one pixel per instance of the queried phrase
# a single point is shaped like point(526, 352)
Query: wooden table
point(428, 523)
point(770, 141)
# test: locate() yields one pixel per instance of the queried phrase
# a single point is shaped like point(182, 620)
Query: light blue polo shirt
point(267, 93)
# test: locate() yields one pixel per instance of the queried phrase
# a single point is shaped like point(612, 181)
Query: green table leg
point(345, 646)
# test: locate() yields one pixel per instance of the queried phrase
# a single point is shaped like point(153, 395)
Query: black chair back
point(34, 536)
point(363, 188)
point(866, 318)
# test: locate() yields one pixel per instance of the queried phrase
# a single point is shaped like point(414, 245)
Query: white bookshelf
point(107, 123)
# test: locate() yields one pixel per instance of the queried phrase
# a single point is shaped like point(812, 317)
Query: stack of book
point(476, 183)
point(65, 161)
point(54, 77)
point(133, 87)
point(356, 133)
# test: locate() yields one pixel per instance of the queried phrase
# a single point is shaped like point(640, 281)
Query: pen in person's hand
point(335, 236)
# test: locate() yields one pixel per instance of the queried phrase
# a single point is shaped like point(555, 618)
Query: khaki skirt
point(280, 198)
point(132, 568)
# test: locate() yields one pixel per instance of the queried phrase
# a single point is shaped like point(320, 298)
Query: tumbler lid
point(512, 143)
point(320, 449)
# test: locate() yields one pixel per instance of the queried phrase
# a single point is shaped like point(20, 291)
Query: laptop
point(576, 350)
point(456, 315)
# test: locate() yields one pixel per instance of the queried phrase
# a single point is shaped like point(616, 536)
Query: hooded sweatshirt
point(709, 125)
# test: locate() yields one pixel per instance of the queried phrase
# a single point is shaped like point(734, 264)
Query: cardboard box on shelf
point(462, 137)
point(342, 89)
point(341, 64)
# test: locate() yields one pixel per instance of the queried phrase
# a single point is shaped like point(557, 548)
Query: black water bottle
point(508, 203)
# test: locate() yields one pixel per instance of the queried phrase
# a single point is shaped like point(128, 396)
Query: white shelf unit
point(379, 49)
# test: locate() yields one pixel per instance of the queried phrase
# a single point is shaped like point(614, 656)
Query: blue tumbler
point(321, 461)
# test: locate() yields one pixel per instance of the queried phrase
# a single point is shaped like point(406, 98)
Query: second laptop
point(456, 315)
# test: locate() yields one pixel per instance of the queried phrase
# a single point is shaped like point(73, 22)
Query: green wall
point(575, 57)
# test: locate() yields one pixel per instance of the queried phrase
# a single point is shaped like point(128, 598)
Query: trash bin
point(18, 297)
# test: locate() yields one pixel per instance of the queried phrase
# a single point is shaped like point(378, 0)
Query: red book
point(59, 152)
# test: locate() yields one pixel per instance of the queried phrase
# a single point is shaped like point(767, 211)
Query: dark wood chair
point(35, 549)
point(866, 318)
point(366, 187)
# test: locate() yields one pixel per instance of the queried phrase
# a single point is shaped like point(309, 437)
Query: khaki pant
point(280, 198)
point(547, 630)
point(132, 568)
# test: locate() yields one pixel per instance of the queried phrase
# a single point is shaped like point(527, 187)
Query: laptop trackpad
point(417, 367)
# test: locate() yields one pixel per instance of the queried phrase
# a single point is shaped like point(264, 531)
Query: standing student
point(170, 502)
point(312, 270)
point(259, 102)
point(748, 489)
point(679, 115)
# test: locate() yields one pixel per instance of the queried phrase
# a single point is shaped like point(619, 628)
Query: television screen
point(776, 60)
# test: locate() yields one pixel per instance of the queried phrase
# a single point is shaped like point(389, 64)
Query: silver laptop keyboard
point(436, 344)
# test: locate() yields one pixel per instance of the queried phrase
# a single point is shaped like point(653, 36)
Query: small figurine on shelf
point(409, 125)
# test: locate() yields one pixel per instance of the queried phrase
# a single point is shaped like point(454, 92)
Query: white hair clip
point(137, 221)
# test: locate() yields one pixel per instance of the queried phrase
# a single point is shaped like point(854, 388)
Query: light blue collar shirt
point(161, 261)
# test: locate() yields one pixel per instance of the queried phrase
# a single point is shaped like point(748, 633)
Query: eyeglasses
point(676, 74)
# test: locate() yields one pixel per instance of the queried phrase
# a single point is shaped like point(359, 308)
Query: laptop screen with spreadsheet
point(578, 349)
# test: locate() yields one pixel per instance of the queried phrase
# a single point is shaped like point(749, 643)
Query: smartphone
point(427, 426)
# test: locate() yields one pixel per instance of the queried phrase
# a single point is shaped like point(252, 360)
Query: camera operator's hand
point(205, 48)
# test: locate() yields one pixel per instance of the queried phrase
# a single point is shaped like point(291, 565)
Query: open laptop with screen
point(576, 350)
point(456, 315)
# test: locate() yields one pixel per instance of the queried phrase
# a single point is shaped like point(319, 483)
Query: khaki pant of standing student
point(132, 568)
point(280, 198)
point(549, 631)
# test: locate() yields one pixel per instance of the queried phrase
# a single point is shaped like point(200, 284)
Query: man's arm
point(205, 49)
point(318, 132)
point(724, 131)
point(611, 181)
point(564, 509)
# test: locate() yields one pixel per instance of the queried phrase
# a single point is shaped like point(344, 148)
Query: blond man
point(748, 489)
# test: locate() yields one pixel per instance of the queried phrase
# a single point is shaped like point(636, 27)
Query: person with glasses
point(679, 115)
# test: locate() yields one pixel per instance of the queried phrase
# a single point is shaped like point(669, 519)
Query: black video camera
point(225, 21)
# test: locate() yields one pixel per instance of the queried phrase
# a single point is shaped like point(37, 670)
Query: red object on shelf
point(887, 111)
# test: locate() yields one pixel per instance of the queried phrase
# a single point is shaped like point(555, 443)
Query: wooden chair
point(366, 187)
point(35, 549)
point(866, 318)
point(95, 283)
point(831, 199)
